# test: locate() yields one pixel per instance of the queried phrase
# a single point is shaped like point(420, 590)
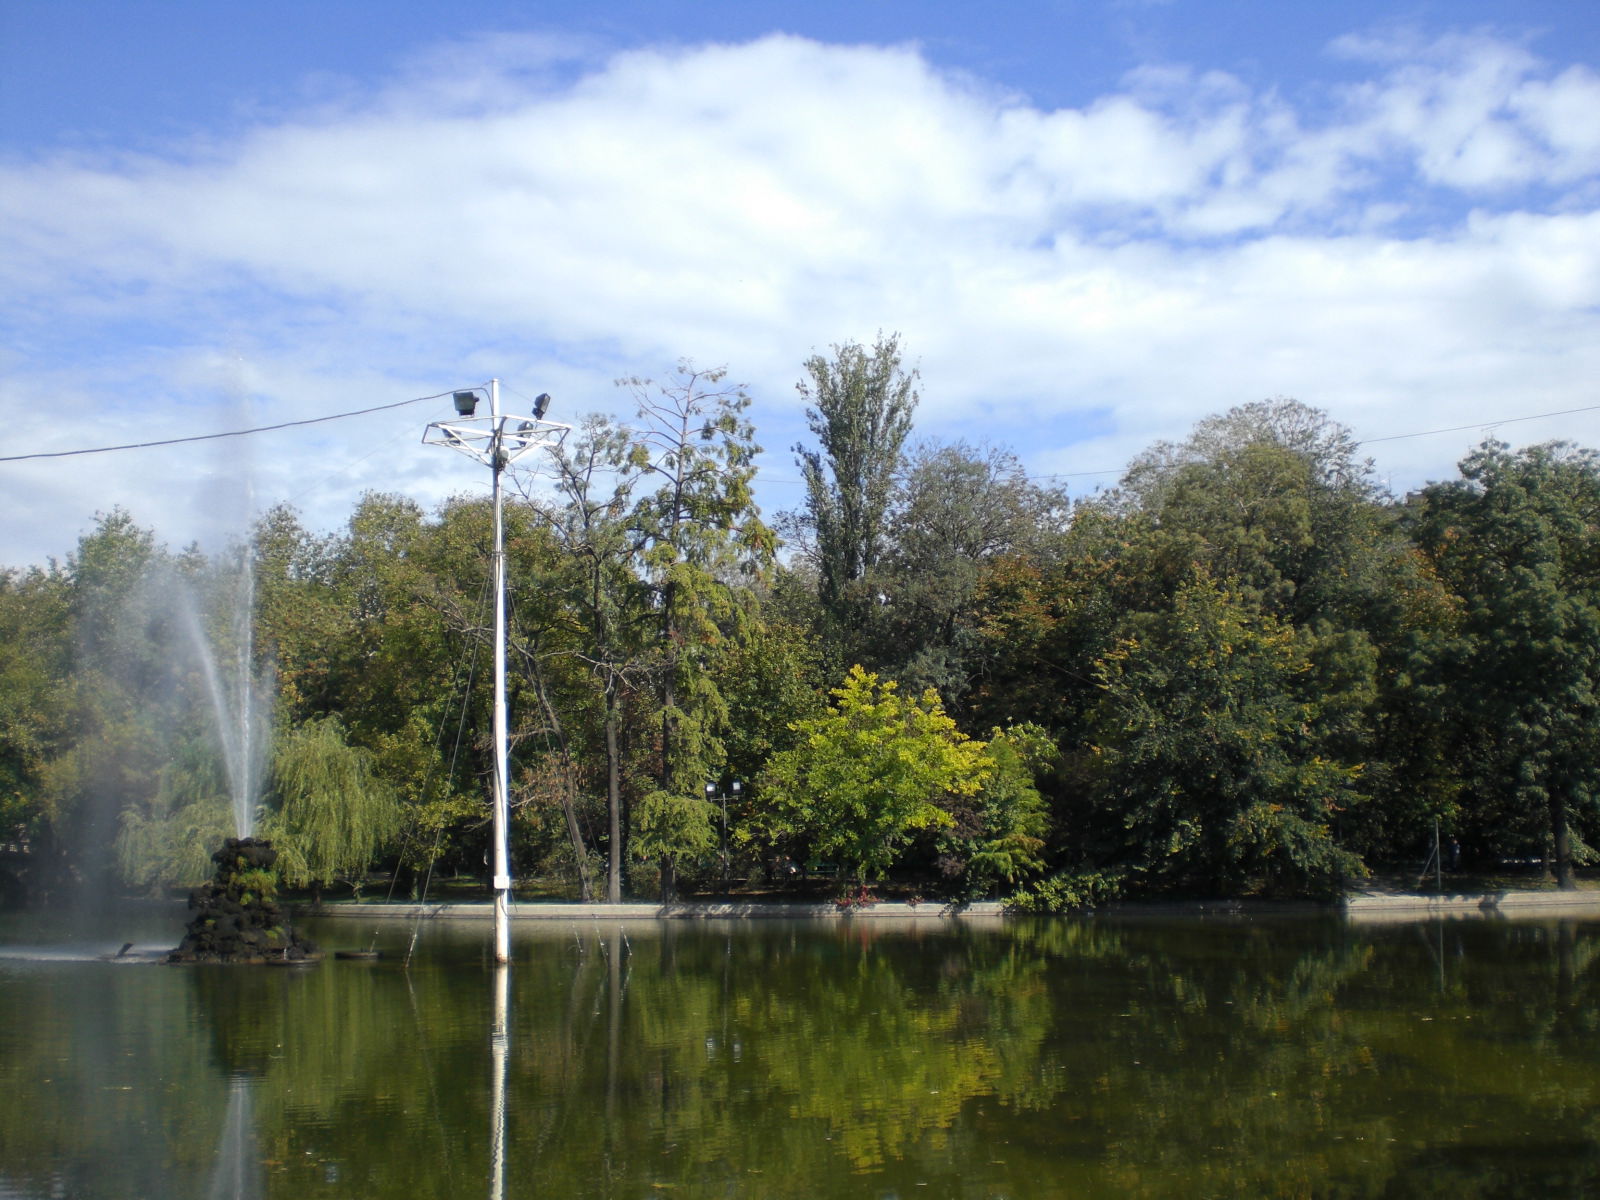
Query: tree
point(959, 508)
point(871, 771)
point(1272, 496)
point(599, 582)
point(1517, 538)
point(860, 407)
point(670, 829)
point(1208, 748)
point(35, 672)
point(118, 707)
point(701, 535)
point(333, 814)
point(997, 835)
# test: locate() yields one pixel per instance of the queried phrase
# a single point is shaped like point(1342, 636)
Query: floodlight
point(466, 403)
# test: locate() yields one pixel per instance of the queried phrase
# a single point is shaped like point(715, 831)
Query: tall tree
point(1517, 538)
point(703, 542)
point(1273, 496)
point(596, 480)
point(35, 675)
point(860, 405)
point(701, 537)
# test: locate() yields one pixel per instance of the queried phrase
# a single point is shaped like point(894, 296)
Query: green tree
point(167, 841)
point(598, 580)
point(860, 405)
point(996, 836)
point(867, 774)
point(35, 674)
point(959, 508)
point(1273, 496)
point(333, 814)
point(702, 543)
point(669, 830)
point(117, 720)
point(1517, 538)
point(1208, 751)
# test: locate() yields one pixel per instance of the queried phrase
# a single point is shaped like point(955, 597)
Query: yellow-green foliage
point(870, 771)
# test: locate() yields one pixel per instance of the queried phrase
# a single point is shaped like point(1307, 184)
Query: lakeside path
point(1362, 908)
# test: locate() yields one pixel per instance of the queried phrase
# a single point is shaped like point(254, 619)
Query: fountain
point(237, 918)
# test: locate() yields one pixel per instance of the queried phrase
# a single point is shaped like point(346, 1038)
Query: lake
point(1089, 1057)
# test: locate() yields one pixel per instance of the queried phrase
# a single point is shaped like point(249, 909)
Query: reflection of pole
point(1438, 860)
point(502, 863)
point(500, 1046)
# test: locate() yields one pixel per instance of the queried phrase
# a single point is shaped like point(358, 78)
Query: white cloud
point(1077, 281)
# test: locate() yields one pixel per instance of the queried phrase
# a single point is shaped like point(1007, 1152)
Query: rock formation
point(237, 918)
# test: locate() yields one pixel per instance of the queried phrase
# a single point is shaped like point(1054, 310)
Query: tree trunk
point(613, 802)
point(569, 807)
point(1561, 836)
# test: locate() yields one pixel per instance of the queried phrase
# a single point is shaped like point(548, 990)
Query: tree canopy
point(1245, 670)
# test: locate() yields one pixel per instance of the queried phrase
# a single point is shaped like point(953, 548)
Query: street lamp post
point(493, 441)
point(713, 792)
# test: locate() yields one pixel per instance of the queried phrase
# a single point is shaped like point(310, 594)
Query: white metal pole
point(502, 791)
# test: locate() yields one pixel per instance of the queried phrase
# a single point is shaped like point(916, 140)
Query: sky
point(1092, 223)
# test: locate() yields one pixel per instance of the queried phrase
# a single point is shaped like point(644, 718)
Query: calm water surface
point(1071, 1058)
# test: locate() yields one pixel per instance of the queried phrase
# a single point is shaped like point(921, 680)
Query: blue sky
point(1093, 223)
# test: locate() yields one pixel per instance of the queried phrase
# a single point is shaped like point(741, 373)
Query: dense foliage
point(1246, 670)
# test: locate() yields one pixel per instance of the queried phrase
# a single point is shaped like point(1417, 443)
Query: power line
point(208, 437)
point(361, 412)
point(1395, 437)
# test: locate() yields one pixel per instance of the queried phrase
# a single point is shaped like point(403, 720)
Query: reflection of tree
point(87, 1050)
point(1101, 1058)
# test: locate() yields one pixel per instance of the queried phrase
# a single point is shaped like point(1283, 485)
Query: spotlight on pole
point(466, 403)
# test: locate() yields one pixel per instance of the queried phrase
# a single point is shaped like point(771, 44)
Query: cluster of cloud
point(1415, 247)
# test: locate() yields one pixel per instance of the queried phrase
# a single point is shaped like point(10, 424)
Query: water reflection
point(1043, 1058)
point(237, 1175)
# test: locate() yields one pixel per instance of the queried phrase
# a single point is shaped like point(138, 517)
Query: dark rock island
point(237, 918)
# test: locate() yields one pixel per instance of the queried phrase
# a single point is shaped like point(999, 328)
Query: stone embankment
point(1362, 908)
point(684, 911)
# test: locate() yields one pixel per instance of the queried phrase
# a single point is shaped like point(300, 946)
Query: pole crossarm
point(477, 437)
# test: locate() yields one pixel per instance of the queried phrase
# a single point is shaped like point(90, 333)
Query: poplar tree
point(860, 405)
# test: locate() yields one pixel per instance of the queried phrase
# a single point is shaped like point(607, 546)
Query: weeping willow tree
point(167, 841)
point(334, 815)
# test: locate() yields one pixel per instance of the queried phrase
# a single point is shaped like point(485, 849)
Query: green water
point(1170, 1058)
